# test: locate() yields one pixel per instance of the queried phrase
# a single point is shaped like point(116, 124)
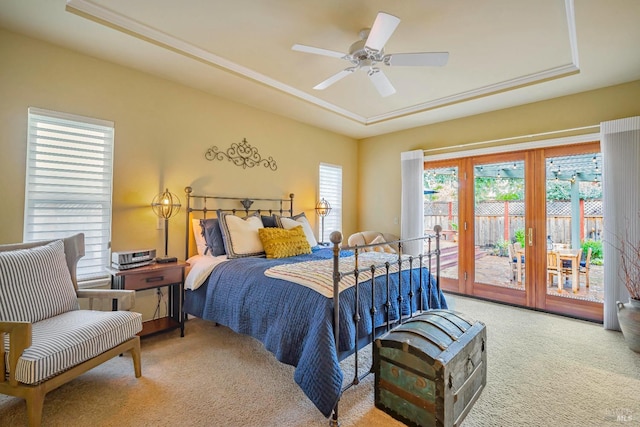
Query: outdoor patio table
point(572, 255)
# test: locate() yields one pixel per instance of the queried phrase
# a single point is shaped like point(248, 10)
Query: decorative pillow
point(35, 284)
point(300, 219)
point(240, 235)
point(281, 243)
point(277, 218)
point(212, 236)
point(201, 244)
point(269, 221)
point(382, 248)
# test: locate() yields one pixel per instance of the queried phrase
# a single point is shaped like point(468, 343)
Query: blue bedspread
point(294, 322)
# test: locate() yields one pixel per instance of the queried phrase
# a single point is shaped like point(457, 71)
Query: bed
point(287, 302)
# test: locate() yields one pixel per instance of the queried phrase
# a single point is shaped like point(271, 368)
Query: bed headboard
point(201, 205)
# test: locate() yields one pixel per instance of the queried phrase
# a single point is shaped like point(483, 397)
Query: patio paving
point(495, 270)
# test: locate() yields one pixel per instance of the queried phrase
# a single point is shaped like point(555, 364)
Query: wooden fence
point(491, 217)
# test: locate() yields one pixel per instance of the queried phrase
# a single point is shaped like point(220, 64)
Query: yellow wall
point(379, 157)
point(162, 131)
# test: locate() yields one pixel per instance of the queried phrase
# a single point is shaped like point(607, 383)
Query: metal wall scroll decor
point(241, 154)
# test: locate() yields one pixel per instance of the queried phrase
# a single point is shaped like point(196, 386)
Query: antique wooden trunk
point(430, 370)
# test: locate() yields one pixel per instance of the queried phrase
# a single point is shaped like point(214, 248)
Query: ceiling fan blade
point(381, 82)
point(318, 51)
point(331, 80)
point(383, 28)
point(417, 59)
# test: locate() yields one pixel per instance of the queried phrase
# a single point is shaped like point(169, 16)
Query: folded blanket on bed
point(318, 275)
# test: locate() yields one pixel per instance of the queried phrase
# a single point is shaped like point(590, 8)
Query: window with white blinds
point(68, 184)
point(331, 190)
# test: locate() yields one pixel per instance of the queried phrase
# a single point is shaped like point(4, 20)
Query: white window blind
point(68, 184)
point(331, 190)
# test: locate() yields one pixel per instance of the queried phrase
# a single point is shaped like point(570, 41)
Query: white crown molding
point(90, 10)
point(554, 73)
point(528, 145)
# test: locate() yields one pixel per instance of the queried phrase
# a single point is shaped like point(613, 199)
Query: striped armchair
point(45, 339)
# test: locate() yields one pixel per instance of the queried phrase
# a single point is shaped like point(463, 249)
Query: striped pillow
point(240, 235)
point(35, 284)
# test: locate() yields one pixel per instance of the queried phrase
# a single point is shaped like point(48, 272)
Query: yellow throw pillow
point(281, 243)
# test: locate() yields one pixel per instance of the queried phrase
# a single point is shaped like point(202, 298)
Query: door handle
point(530, 236)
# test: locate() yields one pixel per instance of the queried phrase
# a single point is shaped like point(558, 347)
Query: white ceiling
point(502, 52)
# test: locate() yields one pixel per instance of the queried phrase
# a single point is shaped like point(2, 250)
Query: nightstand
point(155, 276)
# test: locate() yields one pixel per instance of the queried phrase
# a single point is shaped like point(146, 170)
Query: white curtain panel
point(412, 214)
point(620, 145)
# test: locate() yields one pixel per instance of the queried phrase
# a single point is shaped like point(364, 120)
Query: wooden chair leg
point(587, 281)
point(35, 403)
point(135, 355)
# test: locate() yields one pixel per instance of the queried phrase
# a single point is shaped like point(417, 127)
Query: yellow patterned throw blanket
point(318, 275)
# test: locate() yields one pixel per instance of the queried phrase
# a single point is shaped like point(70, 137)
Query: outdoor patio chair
point(514, 260)
point(46, 340)
point(554, 268)
point(584, 266)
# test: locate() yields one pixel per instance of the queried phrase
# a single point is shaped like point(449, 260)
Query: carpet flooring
point(543, 370)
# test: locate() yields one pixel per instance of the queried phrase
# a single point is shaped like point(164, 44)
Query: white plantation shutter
point(68, 184)
point(331, 190)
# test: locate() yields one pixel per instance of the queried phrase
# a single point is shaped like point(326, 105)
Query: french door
point(502, 212)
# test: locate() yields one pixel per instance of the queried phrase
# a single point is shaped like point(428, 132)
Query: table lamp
point(166, 205)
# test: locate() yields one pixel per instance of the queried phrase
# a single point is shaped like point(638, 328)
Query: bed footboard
point(416, 294)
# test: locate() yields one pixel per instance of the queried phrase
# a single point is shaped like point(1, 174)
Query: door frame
point(544, 301)
point(535, 293)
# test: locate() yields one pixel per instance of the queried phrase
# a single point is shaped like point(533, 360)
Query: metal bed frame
point(285, 207)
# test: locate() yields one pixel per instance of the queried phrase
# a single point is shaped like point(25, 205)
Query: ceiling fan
point(368, 54)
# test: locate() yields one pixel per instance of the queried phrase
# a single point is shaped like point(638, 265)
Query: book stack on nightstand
point(155, 276)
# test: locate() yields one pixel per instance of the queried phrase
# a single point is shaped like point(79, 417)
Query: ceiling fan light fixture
point(368, 52)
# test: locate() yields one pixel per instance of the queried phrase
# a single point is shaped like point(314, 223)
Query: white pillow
point(288, 224)
point(240, 235)
point(382, 248)
point(200, 266)
point(201, 244)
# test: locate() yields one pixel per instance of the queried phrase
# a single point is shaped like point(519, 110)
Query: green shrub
point(501, 248)
point(596, 249)
point(520, 236)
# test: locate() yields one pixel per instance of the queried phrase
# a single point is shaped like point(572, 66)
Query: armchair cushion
point(50, 340)
point(367, 237)
point(68, 339)
point(35, 284)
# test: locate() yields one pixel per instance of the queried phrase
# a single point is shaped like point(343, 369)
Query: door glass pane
point(441, 208)
point(499, 224)
point(574, 226)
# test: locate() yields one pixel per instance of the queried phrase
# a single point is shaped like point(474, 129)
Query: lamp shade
point(323, 208)
point(166, 204)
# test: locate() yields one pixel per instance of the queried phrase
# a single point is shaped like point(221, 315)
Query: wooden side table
point(154, 276)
